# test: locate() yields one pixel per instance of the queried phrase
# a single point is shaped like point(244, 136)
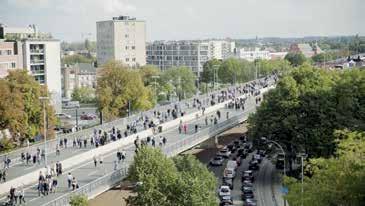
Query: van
point(229, 173)
point(232, 164)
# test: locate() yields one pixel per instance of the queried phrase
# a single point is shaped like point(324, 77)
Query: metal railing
point(86, 133)
point(112, 179)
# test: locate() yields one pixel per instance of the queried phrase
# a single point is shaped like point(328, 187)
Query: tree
point(79, 200)
point(76, 58)
point(334, 181)
point(307, 106)
point(182, 181)
point(119, 86)
point(208, 70)
point(21, 111)
point(229, 70)
point(148, 72)
point(84, 95)
point(182, 79)
point(295, 59)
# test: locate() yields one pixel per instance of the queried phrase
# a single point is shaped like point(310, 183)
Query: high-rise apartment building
point(192, 54)
point(39, 54)
point(165, 55)
point(122, 39)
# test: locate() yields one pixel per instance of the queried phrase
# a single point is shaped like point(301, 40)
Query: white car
point(63, 116)
point(224, 191)
point(224, 153)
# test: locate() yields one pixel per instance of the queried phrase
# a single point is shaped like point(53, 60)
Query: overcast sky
point(192, 19)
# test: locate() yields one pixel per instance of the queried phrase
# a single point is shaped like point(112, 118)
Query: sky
point(75, 20)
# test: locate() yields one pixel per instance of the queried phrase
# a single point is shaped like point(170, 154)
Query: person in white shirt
point(69, 179)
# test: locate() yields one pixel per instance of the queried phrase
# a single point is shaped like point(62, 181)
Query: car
point(261, 152)
point(242, 152)
point(87, 117)
point(229, 173)
point(217, 161)
point(248, 175)
point(226, 200)
point(253, 165)
point(247, 183)
point(224, 191)
point(250, 202)
point(224, 153)
point(247, 193)
point(243, 138)
point(232, 148)
point(236, 143)
point(63, 116)
point(249, 147)
point(279, 163)
point(228, 182)
point(257, 157)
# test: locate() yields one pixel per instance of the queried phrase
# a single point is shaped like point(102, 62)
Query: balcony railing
point(37, 61)
point(37, 51)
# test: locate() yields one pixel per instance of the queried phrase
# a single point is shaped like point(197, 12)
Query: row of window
point(132, 47)
point(127, 59)
point(6, 52)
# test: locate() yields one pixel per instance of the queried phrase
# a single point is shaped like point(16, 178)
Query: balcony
point(37, 51)
point(37, 61)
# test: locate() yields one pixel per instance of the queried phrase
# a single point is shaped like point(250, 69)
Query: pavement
point(87, 172)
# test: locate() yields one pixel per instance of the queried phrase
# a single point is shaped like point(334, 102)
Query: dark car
point(228, 182)
point(261, 152)
point(253, 165)
point(226, 200)
point(216, 161)
point(247, 193)
point(257, 157)
point(232, 148)
point(250, 202)
point(248, 175)
point(236, 142)
point(247, 183)
point(243, 138)
point(280, 163)
point(249, 147)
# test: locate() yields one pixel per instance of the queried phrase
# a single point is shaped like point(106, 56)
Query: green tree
point(182, 79)
point(295, 59)
point(83, 95)
point(21, 111)
point(119, 85)
point(148, 72)
point(182, 181)
point(335, 181)
point(230, 70)
point(79, 200)
point(208, 70)
point(76, 58)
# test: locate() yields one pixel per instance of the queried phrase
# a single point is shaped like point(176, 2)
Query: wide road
point(87, 172)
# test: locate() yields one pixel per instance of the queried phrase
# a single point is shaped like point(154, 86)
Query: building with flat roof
point(121, 39)
point(169, 54)
point(25, 48)
point(253, 54)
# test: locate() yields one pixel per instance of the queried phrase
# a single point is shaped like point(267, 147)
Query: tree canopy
point(119, 85)
point(181, 181)
point(83, 95)
point(296, 58)
point(307, 106)
point(76, 58)
point(338, 180)
point(180, 79)
point(21, 111)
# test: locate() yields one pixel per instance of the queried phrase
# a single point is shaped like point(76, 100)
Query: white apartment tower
point(122, 39)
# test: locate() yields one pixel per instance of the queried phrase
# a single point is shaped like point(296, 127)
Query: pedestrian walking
point(196, 128)
point(115, 165)
point(85, 143)
point(206, 121)
point(54, 185)
point(95, 161)
point(124, 155)
point(74, 184)
point(69, 179)
point(21, 195)
point(164, 140)
point(57, 150)
point(185, 128)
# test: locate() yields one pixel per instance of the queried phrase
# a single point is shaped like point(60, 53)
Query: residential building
point(77, 76)
point(253, 54)
point(122, 39)
point(278, 55)
point(25, 48)
point(11, 56)
point(221, 49)
point(168, 54)
point(306, 49)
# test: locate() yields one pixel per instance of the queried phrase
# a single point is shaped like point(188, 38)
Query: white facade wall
point(121, 40)
point(45, 65)
point(251, 55)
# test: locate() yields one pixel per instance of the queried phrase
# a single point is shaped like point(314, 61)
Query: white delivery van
point(229, 173)
point(232, 164)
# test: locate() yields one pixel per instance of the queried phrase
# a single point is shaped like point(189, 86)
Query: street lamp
point(44, 99)
point(77, 118)
point(281, 148)
point(215, 75)
point(155, 84)
point(302, 156)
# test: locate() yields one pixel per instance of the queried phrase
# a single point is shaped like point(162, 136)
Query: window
point(0, 52)
point(9, 52)
point(134, 59)
point(126, 47)
point(133, 47)
point(13, 65)
point(126, 36)
point(127, 59)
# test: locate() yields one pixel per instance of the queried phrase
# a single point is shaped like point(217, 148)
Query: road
point(86, 172)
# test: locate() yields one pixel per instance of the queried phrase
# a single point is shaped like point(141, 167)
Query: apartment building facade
point(121, 39)
point(165, 55)
point(11, 56)
point(253, 54)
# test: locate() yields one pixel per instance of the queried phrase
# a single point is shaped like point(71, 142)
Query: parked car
point(249, 147)
point(217, 161)
point(261, 152)
point(243, 153)
point(228, 182)
point(250, 202)
point(232, 164)
point(247, 183)
point(226, 200)
point(229, 173)
point(253, 165)
point(224, 191)
point(247, 193)
point(257, 157)
point(224, 153)
point(232, 148)
point(243, 138)
point(88, 116)
point(248, 175)
point(63, 116)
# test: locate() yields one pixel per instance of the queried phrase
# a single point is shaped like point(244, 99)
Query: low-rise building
point(11, 56)
point(77, 76)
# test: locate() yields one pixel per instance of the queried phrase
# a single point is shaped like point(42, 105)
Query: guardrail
point(15, 155)
point(112, 179)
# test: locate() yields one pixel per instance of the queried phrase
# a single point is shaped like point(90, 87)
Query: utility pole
point(44, 99)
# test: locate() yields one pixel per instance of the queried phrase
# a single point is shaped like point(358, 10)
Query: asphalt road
point(86, 172)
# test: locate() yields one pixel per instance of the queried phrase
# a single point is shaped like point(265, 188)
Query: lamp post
point(281, 148)
point(77, 117)
point(155, 84)
point(215, 76)
point(44, 99)
point(302, 156)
